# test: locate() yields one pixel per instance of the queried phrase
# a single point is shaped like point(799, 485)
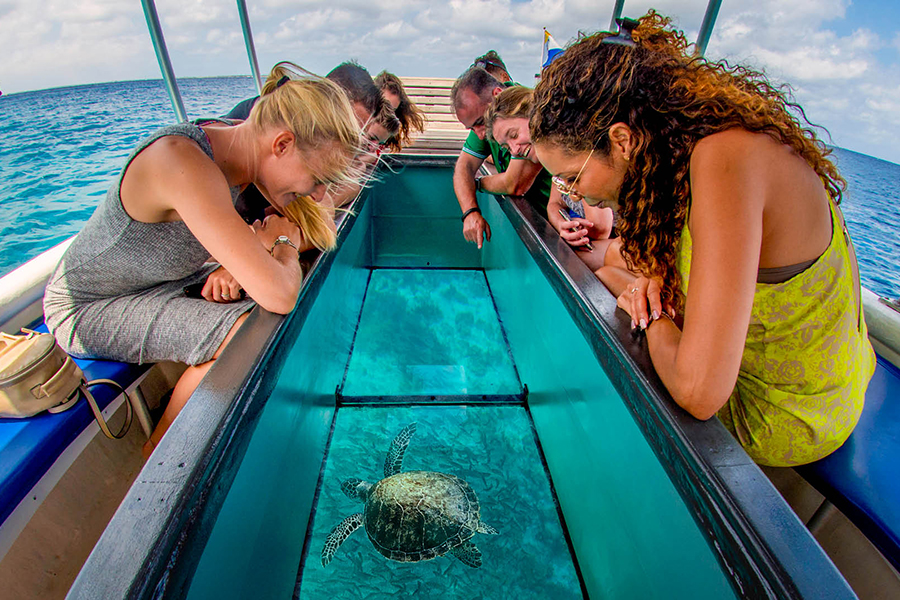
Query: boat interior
point(523, 380)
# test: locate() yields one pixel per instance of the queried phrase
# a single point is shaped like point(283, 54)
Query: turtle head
point(356, 489)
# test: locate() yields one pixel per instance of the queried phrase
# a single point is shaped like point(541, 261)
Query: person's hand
point(642, 301)
point(576, 232)
point(273, 227)
point(220, 286)
point(476, 229)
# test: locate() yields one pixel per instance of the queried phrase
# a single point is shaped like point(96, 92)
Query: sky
point(841, 57)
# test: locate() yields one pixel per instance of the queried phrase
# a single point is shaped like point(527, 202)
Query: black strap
point(469, 212)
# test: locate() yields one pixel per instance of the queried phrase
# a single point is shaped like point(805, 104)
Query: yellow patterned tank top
point(807, 360)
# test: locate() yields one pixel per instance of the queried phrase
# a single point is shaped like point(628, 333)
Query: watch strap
point(283, 239)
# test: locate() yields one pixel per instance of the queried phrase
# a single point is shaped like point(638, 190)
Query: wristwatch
point(478, 187)
point(283, 239)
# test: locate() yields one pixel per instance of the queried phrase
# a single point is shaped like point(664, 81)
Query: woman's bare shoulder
point(736, 144)
point(173, 161)
point(173, 148)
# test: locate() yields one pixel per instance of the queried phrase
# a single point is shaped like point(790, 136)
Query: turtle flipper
point(485, 528)
point(337, 536)
point(468, 553)
point(393, 462)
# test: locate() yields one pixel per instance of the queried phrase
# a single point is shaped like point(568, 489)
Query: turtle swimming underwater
point(413, 516)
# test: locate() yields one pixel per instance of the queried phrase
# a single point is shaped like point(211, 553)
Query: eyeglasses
point(568, 188)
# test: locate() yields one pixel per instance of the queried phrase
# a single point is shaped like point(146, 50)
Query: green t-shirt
point(538, 194)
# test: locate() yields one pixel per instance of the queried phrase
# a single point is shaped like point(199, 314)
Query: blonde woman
point(118, 291)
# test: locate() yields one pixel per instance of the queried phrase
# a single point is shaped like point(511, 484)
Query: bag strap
point(8, 340)
point(129, 409)
point(63, 376)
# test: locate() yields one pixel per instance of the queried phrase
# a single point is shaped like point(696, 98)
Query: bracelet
point(637, 332)
point(283, 239)
point(661, 315)
point(469, 212)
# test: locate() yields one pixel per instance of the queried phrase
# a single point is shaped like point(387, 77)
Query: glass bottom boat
point(520, 383)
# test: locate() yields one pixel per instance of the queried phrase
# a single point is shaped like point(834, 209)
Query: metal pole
point(709, 21)
point(162, 55)
point(248, 41)
point(617, 12)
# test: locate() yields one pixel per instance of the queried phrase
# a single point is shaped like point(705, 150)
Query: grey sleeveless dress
point(118, 290)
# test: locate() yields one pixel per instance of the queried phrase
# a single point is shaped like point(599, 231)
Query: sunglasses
point(485, 63)
point(568, 188)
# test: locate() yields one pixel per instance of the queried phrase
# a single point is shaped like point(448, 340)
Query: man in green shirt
point(471, 95)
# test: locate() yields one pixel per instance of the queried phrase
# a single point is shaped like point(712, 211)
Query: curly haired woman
point(588, 228)
point(728, 208)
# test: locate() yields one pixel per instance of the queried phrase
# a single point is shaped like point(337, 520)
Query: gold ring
point(226, 297)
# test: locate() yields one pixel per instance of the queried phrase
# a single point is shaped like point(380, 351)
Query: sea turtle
point(413, 516)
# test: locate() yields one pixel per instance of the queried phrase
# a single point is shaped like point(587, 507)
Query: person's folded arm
point(699, 365)
point(515, 181)
point(178, 177)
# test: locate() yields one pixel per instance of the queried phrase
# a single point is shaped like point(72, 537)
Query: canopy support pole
point(162, 55)
point(248, 41)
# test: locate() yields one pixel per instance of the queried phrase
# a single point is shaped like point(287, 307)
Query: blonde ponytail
point(314, 221)
point(317, 112)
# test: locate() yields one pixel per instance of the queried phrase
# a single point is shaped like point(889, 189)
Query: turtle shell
point(419, 515)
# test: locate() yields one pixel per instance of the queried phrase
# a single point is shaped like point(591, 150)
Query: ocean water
point(437, 332)
point(60, 149)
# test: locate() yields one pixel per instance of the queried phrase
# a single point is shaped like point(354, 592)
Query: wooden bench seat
point(444, 134)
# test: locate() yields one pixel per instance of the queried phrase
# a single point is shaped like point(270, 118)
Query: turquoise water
point(493, 449)
point(424, 332)
point(427, 332)
point(631, 532)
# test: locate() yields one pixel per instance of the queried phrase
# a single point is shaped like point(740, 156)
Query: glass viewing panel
point(429, 332)
point(493, 452)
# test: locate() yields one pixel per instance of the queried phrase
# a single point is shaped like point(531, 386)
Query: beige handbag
point(37, 375)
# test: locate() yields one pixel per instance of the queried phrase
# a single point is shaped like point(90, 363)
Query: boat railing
point(22, 290)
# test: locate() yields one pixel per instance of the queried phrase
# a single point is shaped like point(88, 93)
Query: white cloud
point(839, 79)
point(812, 64)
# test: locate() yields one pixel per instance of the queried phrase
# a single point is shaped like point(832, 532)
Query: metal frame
point(706, 28)
point(617, 12)
point(248, 42)
point(165, 63)
point(162, 56)
point(709, 21)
